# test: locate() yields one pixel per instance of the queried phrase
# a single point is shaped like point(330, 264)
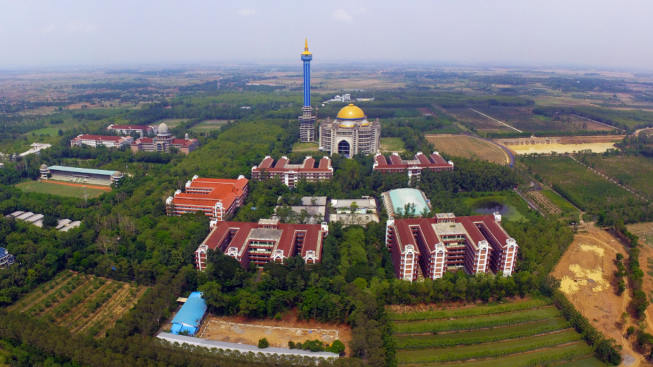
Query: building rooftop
point(208, 191)
point(99, 137)
point(283, 236)
point(399, 198)
point(420, 161)
point(130, 127)
point(82, 170)
point(283, 165)
point(192, 312)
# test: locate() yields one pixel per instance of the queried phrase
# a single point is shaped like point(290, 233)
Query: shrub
point(291, 344)
point(336, 347)
point(263, 343)
point(630, 331)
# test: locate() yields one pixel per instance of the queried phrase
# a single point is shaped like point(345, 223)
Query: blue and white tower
point(307, 120)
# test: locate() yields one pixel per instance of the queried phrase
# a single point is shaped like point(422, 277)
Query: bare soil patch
point(235, 329)
point(586, 271)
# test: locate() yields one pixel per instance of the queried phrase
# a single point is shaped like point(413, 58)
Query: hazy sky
point(610, 34)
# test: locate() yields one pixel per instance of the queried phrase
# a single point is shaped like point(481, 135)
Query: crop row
point(506, 319)
point(425, 343)
point(475, 311)
point(494, 350)
point(78, 297)
point(539, 358)
point(66, 289)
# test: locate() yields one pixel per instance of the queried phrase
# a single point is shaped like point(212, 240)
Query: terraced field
point(522, 333)
point(80, 302)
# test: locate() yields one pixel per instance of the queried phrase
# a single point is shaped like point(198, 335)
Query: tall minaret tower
point(307, 120)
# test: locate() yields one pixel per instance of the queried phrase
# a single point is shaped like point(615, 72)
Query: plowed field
point(468, 147)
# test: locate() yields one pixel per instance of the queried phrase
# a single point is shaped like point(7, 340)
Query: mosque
point(349, 134)
point(163, 141)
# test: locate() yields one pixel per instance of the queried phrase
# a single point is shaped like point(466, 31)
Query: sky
point(553, 33)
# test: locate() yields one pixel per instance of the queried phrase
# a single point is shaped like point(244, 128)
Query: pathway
point(493, 119)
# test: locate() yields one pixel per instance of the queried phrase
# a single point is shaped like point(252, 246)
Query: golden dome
point(351, 112)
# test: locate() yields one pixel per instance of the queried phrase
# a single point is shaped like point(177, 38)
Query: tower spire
point(305, 44)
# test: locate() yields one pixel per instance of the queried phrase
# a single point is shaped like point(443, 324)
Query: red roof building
point(291, 173)
point(217, 198)
point(97, 140)
point(476, 244)
point(129, 129)
point(414, 167)
point(262, 242)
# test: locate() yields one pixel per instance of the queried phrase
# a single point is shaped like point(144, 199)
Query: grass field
point(391, 145)
point(170, 122)
point(510, 206)
point(633, 171)
point(468, 147)
point(305, 147)
point(578, 184)
point(62, 189)
point(82, 303)
point(518, 334)
point(208, 125)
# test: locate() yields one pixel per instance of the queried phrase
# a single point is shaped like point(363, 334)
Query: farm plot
point(515, 334)
point(582, 187)
point(479, 122)
point(644, 231)
point(523, 119)
point(80, 302)
point(544, 202)
point(468, 147)
point(635, 172)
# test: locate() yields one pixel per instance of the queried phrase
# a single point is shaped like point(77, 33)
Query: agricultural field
point(208, 125)
point(543, 202)
point(391, 145)
point(80, 302)
point(480, 123)
point(644, 231)
point(635, 172)
point(519, 333)
point(468, 147)
point(553, 204)
point(576, 183)
point(63, 189)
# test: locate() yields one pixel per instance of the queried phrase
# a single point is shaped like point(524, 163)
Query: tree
point(49, 221)
point(263, 343)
